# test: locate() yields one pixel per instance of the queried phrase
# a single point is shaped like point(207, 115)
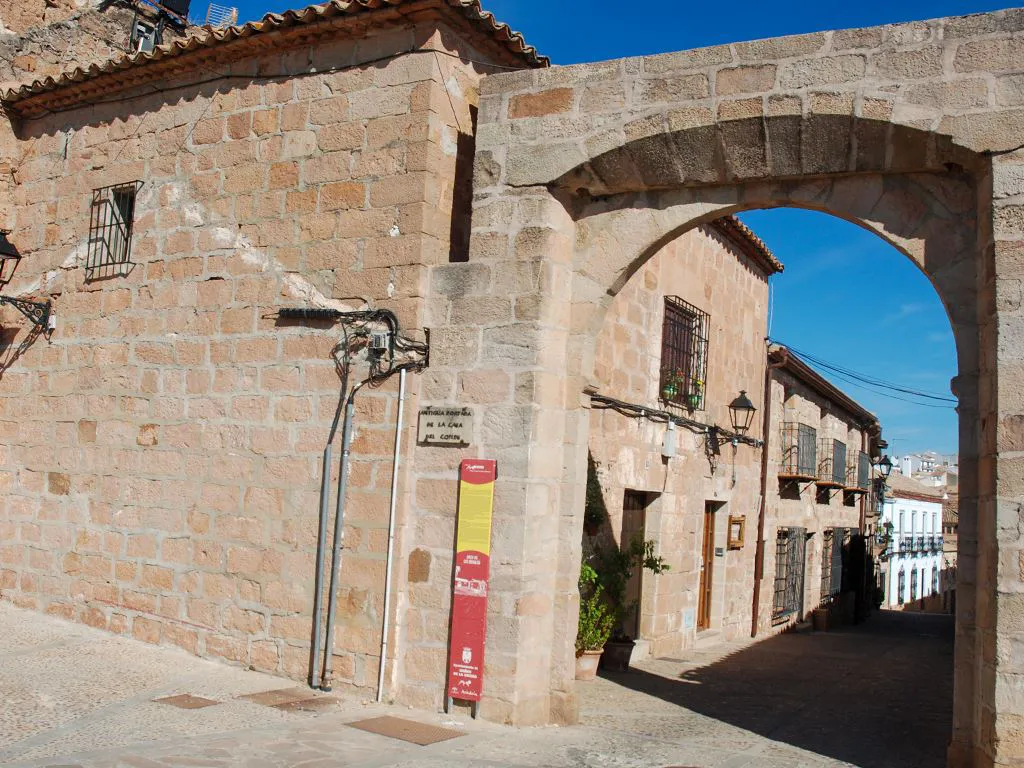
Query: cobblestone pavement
point(875, 695)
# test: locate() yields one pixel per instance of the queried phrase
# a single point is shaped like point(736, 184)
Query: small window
point(684, 354)
point(110, 231)
point(789, 573)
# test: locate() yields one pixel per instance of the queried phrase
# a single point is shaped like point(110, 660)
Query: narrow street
point(877, 694)
point(874, 695)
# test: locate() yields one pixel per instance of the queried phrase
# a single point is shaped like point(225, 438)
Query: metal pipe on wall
point(762, 508)
point(321, 548)
point(339, 524)
point(391, 536)
point(321, 553)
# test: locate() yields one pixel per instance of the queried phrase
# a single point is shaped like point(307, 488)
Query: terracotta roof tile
point(907, 487)
point(754, 245)
point(210, 37)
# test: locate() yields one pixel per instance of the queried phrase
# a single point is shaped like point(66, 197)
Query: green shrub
point(596, 619)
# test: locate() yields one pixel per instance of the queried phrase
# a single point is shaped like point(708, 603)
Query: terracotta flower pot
point(586, 664)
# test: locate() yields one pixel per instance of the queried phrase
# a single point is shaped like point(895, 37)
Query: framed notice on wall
point(472, 574)
point(737, 531)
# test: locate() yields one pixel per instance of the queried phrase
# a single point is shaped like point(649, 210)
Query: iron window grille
point(790, 544)
point(799, 450)
point(913, 585)
point(110, 230)
point(858, 475)
point(684, 354)
point(935, 580)
point(832, 462)
point(901, 588)
point(834, 561)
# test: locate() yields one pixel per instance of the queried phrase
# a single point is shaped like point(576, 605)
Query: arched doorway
point(567, 207)
point(693, 648)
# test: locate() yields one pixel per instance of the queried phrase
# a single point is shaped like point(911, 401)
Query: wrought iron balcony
point(799, 451)
point(831, 463)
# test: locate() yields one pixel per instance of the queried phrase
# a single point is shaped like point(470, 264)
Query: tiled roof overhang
point(210, 44)
point(751, 244)
point(779, 356)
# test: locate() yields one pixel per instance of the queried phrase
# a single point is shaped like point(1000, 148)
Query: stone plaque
point(445, 426)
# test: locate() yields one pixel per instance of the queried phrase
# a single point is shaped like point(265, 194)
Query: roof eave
point(780, 355)
point(326, 19)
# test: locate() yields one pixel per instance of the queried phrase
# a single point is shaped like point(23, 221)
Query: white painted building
point(912, 573)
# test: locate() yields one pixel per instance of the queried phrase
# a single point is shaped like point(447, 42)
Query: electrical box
point(380, 341)
point(144, 35)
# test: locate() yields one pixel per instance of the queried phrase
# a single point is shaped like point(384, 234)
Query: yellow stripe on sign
point(476, 503)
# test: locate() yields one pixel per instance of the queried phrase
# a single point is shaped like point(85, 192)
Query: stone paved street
point(875, 695)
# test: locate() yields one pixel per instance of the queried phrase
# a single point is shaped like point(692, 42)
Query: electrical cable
point(864, 378)
point(633, 410)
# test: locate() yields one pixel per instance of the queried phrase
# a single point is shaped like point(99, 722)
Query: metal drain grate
point(406, 730)
point(186, 701)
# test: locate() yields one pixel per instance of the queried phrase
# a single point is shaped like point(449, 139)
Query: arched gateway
point(913, 131)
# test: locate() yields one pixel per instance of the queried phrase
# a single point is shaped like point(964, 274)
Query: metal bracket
point(38, 312)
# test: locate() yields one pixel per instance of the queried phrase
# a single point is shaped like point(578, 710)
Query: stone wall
point(161, 458)
point(48, 46)
point(707, 270)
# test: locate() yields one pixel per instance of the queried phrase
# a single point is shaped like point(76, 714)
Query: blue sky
point(845, 295)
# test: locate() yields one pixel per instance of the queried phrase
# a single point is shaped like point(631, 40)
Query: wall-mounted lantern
point(9, 257)
point(884, 467)
point(741, 413)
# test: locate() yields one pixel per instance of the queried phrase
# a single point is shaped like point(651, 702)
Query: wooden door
point(707, 565)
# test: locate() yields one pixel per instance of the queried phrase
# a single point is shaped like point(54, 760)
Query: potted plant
point(696, 394)
point(615, 566)
point(675, 384)
point(595, 624)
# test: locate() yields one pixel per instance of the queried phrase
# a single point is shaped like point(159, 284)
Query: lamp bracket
point(38, 312)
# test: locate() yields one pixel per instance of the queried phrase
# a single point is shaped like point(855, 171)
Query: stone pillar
point(506, 315)
point(999, 586)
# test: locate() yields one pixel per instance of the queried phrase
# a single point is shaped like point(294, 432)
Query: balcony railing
point(831, 462)
point(799, 451)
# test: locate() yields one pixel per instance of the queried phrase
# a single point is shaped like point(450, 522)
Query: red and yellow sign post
point(472, 572)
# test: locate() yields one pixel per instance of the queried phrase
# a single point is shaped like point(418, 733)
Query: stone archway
point(582, 172)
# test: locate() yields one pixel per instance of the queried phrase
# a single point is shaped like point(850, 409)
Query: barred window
point(684, 354)
point(935, 580)
point(799, 450)
point(901, 588)
point(913, 585)
point(789, 573)
point(834, 561)
point(110, 230)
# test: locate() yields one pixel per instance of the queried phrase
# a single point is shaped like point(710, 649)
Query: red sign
point(472, 571)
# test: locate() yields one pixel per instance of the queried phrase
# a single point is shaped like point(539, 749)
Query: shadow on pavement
point(878, 694)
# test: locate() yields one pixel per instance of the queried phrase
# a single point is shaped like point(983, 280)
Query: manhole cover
point(407, 730)
point(186, 701)
point(280, 696)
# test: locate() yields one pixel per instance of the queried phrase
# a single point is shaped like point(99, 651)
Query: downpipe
point(321, 548)
point(391, 536)
point(755, 612)
point(336, 547)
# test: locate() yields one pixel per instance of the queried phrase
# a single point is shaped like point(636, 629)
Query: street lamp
point(741, 413)
point(884, 467)
point(9, 257)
